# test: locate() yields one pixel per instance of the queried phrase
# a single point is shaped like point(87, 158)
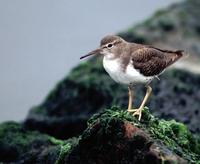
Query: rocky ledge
point(111, 136)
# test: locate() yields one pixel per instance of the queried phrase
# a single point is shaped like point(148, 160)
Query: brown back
point(151, 61)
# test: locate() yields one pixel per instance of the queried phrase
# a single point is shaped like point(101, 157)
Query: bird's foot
point(137, 112)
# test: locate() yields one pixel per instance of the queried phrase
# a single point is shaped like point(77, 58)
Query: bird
point(131, 63)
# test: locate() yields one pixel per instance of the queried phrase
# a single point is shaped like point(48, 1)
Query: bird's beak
point(94, 52)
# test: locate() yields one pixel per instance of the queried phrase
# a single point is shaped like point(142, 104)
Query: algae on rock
point(114, 136)
point(21, 146)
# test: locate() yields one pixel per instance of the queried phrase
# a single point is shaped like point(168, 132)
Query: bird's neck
point(109, 56)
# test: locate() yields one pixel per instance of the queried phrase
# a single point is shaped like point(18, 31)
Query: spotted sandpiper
point(130, 63)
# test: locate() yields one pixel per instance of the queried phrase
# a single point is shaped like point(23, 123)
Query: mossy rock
point(115, 136)
point(112, 136)
point(21, 146)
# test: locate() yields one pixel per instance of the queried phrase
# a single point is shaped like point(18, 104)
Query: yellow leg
point(139, 110)
point(130, 98)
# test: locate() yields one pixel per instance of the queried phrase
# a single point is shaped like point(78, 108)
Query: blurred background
point(40, 41)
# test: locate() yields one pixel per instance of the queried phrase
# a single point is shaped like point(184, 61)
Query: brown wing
point(152, 61)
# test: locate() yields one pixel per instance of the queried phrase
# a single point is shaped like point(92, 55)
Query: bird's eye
point(109, 45)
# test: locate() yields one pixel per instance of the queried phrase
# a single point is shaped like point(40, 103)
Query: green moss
point(159, 13)
point(38, 110)
point(149, 24)
point(6, 126)
point(182, 14)
point(176, 136)
point(108, 114)
point(56, 141)
point(166, 24)
point(16, 143)
point(64, 149)
point(15, 140)
point(12, 133)
point(172, 134)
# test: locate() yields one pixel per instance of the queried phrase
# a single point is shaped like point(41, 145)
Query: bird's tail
point(176, 55)
point(182, 53)
point(173, 55)
point(179, 52)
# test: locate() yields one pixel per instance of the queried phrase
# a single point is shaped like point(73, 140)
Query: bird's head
point(108, 46)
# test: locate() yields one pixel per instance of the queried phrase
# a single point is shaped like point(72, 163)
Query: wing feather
point(152, 61)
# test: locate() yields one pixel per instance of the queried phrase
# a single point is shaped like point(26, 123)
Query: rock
point(21, 146)
point(114, 136)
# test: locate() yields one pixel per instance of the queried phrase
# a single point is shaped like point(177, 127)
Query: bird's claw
point(136, 112)
point(132, 110)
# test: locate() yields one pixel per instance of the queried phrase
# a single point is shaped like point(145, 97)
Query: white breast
point(130, 75)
